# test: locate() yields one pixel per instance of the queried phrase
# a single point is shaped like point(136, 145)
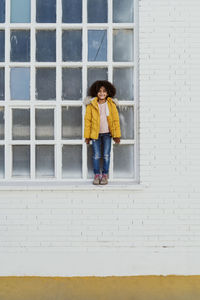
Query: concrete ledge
point(69, 186)
point(79, 262)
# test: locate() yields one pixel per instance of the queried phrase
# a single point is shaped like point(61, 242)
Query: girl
point(101, 123)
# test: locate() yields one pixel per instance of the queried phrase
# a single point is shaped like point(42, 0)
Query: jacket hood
point(89, 99)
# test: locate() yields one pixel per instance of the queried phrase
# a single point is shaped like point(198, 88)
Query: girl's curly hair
point(95, 87)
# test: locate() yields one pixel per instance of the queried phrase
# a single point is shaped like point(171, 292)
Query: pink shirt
point(103, 118)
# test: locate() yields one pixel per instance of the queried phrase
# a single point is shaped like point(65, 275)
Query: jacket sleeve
point(88, 122)
point(116, 122)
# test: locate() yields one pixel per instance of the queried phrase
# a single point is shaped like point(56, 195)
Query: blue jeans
point(104, 139)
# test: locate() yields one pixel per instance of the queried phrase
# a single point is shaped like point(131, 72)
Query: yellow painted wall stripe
point(100, 288)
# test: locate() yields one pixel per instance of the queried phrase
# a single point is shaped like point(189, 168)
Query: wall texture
point(154, 230)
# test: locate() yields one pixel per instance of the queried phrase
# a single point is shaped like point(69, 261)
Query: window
point(50, 53)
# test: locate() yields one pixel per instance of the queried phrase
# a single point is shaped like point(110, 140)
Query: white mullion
point(84, 83)
point(136, 89)
point(7, 112)
point(72, 102)
point(110, 69)
point(46, 142)
point(32, 85)
point(72, 142)
point(58, 108)
point(123, 25)
point(126, 103)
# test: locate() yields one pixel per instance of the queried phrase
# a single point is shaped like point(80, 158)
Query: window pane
point(72, 161)
point(20, 11)
point(21, 161)
point(123, 11)
point(20, 83)
point(21, 124)
point(46, 11)
point(46, 45)
point(97, 11)
point(72, 45)
point(2, 45)
point(71, 11)
point(123, 45)
point(72, 84)
point(71, 122)
point(123, 80)
point(44, 121)
point(44, 161)
point(2, 11)
point(20, 45)
point(2, 163)
point(123, 161)
point(1, 123)
point(126, 115)
point(97, 45)
point(94, 74)
point(46, 84)
point(2, 84)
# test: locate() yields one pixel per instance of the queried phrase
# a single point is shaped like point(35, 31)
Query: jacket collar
point(93, 101)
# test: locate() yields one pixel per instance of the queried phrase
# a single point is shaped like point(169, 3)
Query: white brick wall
point(155, 230)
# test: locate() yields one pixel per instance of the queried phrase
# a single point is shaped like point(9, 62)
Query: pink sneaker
point(96, 179)
point(104, 179)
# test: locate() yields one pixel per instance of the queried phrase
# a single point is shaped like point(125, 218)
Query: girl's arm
point(88, 122)
point(116, 122)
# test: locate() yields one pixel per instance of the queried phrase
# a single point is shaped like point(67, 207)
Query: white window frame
point(32, 103)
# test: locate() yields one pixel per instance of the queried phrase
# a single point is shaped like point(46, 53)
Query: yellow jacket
point(92, 119)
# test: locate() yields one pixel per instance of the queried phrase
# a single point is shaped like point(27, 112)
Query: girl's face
point(102, 93)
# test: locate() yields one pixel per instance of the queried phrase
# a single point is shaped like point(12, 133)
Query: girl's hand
point(116, 140)
point(87, 141)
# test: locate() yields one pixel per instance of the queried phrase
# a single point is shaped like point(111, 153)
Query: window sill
point(70, 186)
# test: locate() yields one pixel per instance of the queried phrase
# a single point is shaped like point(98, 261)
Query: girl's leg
point(106, 152)
point(96, 155)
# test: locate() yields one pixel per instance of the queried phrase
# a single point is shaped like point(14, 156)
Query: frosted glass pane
point(97, 11)
point(20, 11)
point(46, 11)
point(126, 115)
point(20, 83)
point(46, 84)
point(123, 80)
point(71, 122)
point(45, 161)
point(46, 45)
point(72, 45)
point(1, 123)
point(2, 163)
point(2, 84)
point(21, 124)
point(123, 161)
point(72, 84)
point(94, 74)
point(123, 45)
point(2, 45)
point(123, 11)
point(2, 11)
point(44, 121)
point(72, 11)
point(20, 45)
point(97, 45)
point(72, 161)
point(21, 161)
